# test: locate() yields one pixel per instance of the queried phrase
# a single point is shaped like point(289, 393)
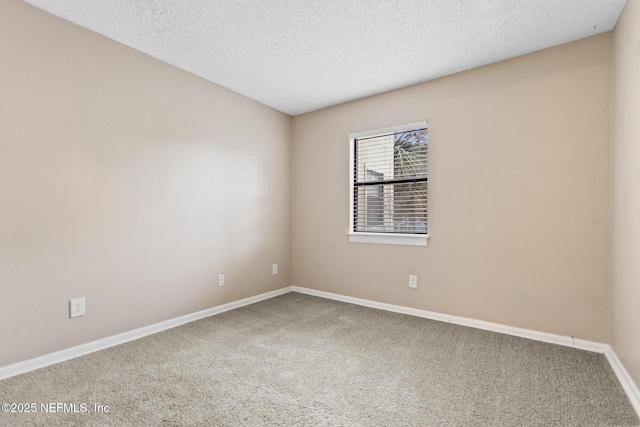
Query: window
point(389, 185)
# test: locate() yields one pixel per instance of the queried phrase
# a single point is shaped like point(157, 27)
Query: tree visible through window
point(390, 183)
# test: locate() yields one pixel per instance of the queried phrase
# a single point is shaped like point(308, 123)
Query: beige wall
point(625, 201)
point(519, 164)
point(128, 182)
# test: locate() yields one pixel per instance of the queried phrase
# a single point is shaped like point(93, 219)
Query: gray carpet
point(298, 360)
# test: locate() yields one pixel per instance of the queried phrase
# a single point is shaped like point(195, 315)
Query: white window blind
point(390, 183)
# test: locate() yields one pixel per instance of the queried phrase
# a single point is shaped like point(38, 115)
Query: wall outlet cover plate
point(76, 307)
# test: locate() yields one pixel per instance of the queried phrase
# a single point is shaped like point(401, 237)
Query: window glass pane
point(375, 155)
point(392, 208)
point(410, 207)
point(410, 154)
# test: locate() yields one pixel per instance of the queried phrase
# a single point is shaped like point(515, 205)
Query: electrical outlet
point(76, 307)
point(274, 269)
point(221, 280)
point(413, 281)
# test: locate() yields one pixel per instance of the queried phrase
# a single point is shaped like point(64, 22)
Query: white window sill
point(389, 239)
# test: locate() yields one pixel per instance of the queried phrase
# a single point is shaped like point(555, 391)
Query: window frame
point(405, 239)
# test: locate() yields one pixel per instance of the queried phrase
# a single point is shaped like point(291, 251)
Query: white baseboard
point(625, 379)
point(81, 350)
point(479, 324)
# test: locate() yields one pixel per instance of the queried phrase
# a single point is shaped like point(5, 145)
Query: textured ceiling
point(302, 55)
